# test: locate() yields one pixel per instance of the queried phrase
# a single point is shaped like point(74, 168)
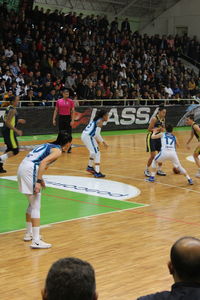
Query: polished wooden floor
point(130, 249)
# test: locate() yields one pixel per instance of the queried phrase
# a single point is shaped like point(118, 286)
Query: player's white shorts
point(27, 176)
point(90, 142)
point(168, 155)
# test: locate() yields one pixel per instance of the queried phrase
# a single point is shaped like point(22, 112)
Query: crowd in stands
point(42, 53)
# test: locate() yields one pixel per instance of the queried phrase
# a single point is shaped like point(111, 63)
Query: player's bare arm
point(196, 128)
point(152, 124)
point(156, 135)
point(98, 135)
point(55, 154)
point(54, 116)
point(72, 116)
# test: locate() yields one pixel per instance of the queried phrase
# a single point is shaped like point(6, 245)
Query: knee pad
point(92, 155)
point(28, 211)
point(97, 157)
point(35, 205)
point(15, 151)
point(154, 164)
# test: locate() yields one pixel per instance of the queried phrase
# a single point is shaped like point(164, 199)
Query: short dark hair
point(62, 138)
point(169, 128)
point(161, 107)
point(100, 114)
point(191, 116)
point(186, 265)
point(70, 279)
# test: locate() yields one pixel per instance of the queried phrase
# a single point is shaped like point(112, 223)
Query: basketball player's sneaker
point(99, 175)
point(28, 237)
point(161, 173)
point(69, 150)
point(1, 168)
point(40, 245)
point(198, 174)
point(90, 170)
point(151, 179)
point(147, 173)
point(190, 181)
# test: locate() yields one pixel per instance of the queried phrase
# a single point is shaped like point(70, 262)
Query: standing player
point(195, 131)
point(154, 146)
point(65, 111)
point(10, 132)
point(90, 136)
point(30, 182)
point(168, 152)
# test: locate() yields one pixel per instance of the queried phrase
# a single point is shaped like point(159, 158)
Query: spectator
point(70, 279)
point(61, 45)
point(184, 266)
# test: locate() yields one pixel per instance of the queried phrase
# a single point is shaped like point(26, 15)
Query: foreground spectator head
point(184, 266)
point(70, 279)
point(185, 260)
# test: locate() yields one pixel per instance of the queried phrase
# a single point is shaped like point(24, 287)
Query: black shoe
point(69, 150)
point(2, 169)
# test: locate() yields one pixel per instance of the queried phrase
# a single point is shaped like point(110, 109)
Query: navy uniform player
point(168, 152)
point(194, 132)
point(91, 135)
point(30, 182)
point(154, 146)
point(10, 131)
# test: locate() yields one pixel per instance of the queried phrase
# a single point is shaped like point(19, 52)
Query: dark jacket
point(179, 291)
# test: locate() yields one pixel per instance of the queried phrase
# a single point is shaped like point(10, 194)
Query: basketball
point(176, 170)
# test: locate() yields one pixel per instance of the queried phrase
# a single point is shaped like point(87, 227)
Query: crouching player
point(30, 181)
point(168, 152)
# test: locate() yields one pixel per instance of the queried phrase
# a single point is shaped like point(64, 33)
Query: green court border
point(104, 133)
point(58, 206)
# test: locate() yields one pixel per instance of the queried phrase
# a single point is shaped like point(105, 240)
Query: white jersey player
point(91, 135)
point(30, 182)
point(168, 152)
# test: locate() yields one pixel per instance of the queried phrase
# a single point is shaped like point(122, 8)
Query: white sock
point(36, 233)
point(29, 227)
point(90, 162)
point(147, 168)
point(4, 157)
point(187, 176)
point(97, 168)
point(153, 174)
point(159, 168)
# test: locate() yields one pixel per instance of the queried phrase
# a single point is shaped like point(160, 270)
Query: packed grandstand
point(43, 52)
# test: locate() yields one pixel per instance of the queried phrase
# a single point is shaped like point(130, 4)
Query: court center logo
point(92, 186)
point(191, 158)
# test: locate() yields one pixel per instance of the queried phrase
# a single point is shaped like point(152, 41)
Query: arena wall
point(39, 120)
point(184, 14)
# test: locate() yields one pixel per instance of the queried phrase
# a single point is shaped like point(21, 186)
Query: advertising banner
point(39, 119)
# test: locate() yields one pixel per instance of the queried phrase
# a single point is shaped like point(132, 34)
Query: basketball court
point(122, 224)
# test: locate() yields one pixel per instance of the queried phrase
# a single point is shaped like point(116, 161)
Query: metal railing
point(108, 102)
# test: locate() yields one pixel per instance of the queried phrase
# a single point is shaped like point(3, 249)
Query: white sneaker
point(198, 174)
point(29, 236)
point(40, 245)
point(147, 173)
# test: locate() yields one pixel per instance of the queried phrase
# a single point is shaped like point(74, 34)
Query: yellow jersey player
point(195, 131)
point(10, 132)
point(154, 146)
